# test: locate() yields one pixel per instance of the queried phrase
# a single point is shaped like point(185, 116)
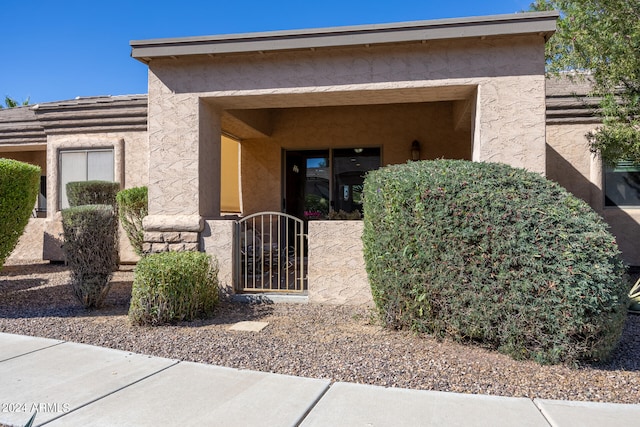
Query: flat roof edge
point(543, 23)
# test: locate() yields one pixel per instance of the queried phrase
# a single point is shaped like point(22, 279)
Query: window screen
point(84, 165)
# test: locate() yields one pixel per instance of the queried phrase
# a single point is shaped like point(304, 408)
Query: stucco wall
point(184, 146)
point(29, 247)
point(500, 81)
point(217, 241)
point(392, 128)
point(337, 272)
point(505, 75)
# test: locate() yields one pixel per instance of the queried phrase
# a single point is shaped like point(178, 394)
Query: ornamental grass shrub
point(169, 287)
point(132, 208)
point(19, 185)
point(492, 254)
point(92, 193)
point(91, 250)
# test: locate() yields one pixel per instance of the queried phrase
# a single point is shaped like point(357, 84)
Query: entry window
point(349, 168)
point(83, 165)
point(622, 185)
point(321, 181)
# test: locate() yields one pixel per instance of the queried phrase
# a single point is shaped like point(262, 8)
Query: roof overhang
point(529, 23)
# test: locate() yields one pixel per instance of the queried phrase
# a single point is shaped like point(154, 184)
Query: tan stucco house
point(289, 122)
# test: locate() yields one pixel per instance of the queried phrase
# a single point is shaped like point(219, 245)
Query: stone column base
point(164, 233)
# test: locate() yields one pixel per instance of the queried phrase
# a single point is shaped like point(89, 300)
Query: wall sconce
point(415, 150)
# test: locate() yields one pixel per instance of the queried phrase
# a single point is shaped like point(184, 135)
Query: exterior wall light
point(415, 150)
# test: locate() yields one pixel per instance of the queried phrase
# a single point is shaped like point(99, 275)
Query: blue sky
point(54, 50)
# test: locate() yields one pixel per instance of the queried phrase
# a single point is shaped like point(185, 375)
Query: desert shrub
point(493, 254)
point(132, 208)
point(19, 185)
point(92, 193)
point(91, 250)
point(173, 286)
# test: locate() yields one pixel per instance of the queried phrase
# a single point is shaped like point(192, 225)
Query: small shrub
point(19, 185)
point(92, 193)
point(173, 286)
point(493, 254)
point(91, 250)
point(132, 208)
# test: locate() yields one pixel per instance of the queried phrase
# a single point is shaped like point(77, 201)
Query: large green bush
point(132, 208)
point(493, 254)
point(173, 286)
point(92, 193)
point(91, 250)
point(19, 185)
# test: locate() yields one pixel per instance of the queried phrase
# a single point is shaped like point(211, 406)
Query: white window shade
point(83, 165)
point(100, 165)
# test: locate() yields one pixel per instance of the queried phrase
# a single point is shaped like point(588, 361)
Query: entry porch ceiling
point(248, 116)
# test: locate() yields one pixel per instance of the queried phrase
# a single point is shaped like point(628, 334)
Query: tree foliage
point(10, 102)
point(601, 39)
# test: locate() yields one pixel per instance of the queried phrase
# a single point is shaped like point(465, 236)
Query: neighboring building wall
point(572, 165)
point(571, 114)
point(130, 169)
point(38, 158)
point(569, 162)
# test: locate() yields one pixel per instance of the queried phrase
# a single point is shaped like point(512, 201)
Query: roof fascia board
point(543, 23)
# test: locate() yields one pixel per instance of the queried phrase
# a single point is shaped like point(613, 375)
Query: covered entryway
point(269, 253)
point(470, 88)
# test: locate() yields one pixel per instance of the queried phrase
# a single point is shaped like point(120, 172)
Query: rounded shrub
point(19, 185)
point(132, 208)
point(92, 193)
point(492, 254)
point(170, 287)
point(91, 250)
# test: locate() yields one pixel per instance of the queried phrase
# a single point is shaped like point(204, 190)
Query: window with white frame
point(84, 165)
point(622, 185)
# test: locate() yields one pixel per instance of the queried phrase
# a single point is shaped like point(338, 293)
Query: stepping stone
point(249, 326)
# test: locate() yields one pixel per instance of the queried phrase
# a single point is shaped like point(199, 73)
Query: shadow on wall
point(624, 226)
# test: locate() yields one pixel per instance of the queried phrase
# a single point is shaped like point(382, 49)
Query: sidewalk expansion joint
point(175, 362)
point(313, 405)
point(32, 351)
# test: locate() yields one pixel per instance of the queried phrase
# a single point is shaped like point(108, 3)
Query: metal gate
point(269, 253)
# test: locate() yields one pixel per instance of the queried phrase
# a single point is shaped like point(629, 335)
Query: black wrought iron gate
point(269, 253)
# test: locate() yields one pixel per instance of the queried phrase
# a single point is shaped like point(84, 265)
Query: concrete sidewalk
point(71, 384)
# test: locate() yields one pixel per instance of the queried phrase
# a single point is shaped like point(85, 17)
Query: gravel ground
point(335, 343)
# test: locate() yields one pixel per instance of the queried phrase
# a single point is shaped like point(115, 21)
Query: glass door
point(307, 194)
point(318, 182)
point(349, 169)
